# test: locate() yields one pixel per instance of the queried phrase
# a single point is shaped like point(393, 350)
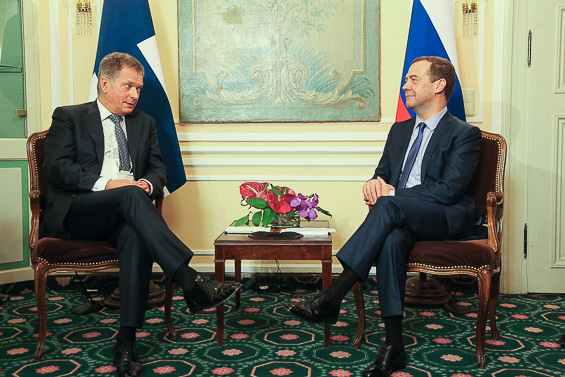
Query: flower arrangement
point(267, 201)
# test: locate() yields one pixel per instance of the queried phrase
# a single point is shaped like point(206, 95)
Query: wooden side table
point(240, 247)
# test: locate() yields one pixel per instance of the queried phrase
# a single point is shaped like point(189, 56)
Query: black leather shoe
point(207, 293)
point(125, 360)
point(316, 309)
point(388, 360)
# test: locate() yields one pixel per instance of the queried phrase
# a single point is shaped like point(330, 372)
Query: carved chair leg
point(40, 279)
point(359, 303)
point(485, 278)
point(492, 306)
point(172, 333)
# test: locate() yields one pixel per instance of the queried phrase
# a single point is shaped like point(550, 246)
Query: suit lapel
point(93, 125)
point(440, 130)
point(133, 125)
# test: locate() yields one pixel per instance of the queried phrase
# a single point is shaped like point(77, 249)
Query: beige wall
point(202, 208)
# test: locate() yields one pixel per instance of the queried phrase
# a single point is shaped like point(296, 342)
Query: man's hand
point(374, 189)
point(144, 185)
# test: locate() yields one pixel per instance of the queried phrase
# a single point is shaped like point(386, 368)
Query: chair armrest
point(34, 203)
point(495, 202)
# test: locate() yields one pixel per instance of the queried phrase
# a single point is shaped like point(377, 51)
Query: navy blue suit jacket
point(449, 163)
point(74, 151)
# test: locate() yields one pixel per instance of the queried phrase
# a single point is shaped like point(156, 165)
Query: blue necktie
point(122, 143)
point(411, 156)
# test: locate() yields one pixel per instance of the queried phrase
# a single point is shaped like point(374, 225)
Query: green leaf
point(268, 216)
point(256, 220)
point(243, 221)
point(258, 203)
point(324, 212)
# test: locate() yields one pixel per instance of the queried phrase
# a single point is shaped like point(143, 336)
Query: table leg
point(220, 278)
point(237, 279)
point(326, 282)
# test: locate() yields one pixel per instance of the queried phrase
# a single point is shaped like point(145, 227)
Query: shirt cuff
point(392, 193)
point(100, 184)
point(149, 183)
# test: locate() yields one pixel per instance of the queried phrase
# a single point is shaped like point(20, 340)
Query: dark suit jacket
point(74, 151)
point(448, 166)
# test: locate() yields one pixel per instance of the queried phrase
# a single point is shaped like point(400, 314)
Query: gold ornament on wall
point(84, 24)
point(470, 18)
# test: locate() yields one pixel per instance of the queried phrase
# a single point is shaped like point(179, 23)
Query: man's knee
point(135, 194)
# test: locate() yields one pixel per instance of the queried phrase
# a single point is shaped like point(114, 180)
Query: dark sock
point(342, 285)
point(125, 334)
point(393, 332)
point(185, 277)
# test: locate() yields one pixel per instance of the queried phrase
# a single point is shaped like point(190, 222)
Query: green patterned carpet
point(262, 339)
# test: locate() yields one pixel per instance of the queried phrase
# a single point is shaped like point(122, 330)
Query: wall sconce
point(84, 18)
point(470, 18)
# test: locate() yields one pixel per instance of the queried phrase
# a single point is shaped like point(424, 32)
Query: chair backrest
point(489, 175)
point(35, 153)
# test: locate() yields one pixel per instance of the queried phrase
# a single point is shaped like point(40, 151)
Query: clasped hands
point(374, 189)
point(115, 183)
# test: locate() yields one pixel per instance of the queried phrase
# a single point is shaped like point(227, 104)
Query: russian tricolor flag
point(432, 33)
point(127, 26)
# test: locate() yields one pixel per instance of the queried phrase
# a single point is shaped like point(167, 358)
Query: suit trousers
point(385, 238)
point(126, 218)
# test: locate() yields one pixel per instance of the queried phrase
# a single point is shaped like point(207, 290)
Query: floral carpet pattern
point(262, 339)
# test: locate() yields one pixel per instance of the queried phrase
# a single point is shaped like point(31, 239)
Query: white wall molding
point(54, 48)
point(281, 136)
point(280, 178)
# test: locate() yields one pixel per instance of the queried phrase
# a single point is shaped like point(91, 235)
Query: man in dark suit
point(104, 169)
point(420, 192)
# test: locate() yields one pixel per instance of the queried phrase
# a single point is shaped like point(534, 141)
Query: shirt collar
point(104, 112)
point(433, 121)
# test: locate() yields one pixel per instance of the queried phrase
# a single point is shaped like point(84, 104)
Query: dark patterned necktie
point(122, 143)
point(411, 156)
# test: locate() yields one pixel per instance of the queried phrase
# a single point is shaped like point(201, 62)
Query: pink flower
point(223, 370)
point(281, 372)
point(155, 320)
point(550, 344)
point(252, 310)
point(450, 357)
point(551, 306)
point(442, 340)
point(178, 351)
point(190, 335)
point(293, 323)
point(63, 282)
point(434, 327)
point(63, 320)
point(49, 369)
point(562, 317)
point(257, 299)
point(508, 359)
point(427, 314)
point(93, 334)
point(340, 338)
point(164, 370)
point(16, 298)
point(461, 375)
point(246, 322)
point(289, 336)
point(232, 352)
point(495, 342)
point(142, 334)
point(59, 298)
point(561, 361)
point(340, 354)
point(340, 324)
point(105, 369)
point(471, 315)
point(16, 320)
point(508, 305)
point(108, 320)
point(519, 316)
point(340, 373)
point(401, 374)
point(533, 329)
point(71, 351)
point(200, 321)
point(239, 336)
point(17, 351)
point(296, 299)
point(285, 353)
